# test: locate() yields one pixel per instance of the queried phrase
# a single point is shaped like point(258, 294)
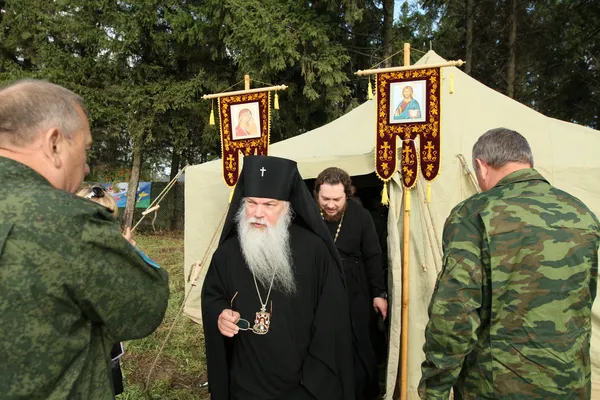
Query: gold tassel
point(406, 199)
point(429, 192)
point(211, 120)
point(385, 200)
point(451, 83)
point(370, 91)
point(276, 106)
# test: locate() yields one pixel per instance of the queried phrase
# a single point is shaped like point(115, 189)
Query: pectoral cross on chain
point(262, 172)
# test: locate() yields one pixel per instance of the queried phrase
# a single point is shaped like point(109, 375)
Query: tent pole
point(405, 264)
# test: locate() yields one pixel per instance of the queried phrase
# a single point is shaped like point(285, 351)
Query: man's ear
point(53, 144)
point(482, 166)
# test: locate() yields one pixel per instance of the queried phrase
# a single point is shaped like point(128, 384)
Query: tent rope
point(430, 234)
point(438, 244)
point(394, 55)
point(154, 206)
point(432, 221)
point(194, 281)
point(422, 194)
point(469, 172)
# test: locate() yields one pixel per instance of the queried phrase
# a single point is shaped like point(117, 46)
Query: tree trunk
point(134, 180)
point(175, 162)
point(388, 25)
point(512, 51)
point(469, 38)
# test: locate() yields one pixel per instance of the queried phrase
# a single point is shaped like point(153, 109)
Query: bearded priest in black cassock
point(274, 306)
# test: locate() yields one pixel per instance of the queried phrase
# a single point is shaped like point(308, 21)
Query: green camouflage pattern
point(510, 316)
point(70, 287)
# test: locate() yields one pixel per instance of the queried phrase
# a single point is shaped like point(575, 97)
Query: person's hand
point(380, 305)
point(227, 323)
point(128, 236)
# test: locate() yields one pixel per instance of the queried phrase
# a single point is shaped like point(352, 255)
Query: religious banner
point(408, 107)
point(245, 127)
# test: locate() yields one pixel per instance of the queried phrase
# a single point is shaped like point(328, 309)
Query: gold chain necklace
point(262, 322)
point(337, 233)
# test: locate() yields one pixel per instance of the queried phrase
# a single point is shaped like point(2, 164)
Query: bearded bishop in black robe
point(293, 337)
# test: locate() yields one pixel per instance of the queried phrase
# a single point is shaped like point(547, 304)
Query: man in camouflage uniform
point(510, 317)
point(70, 284)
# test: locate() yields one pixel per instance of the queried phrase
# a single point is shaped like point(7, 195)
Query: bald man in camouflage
point(70, 284)
point(510, 317)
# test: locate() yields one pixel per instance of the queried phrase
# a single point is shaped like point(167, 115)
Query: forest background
point(142, 66)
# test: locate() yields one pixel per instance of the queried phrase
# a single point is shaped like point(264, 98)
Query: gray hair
point(28, 106)
point(499, 146)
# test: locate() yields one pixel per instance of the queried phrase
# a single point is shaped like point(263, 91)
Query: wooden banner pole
point(257, 90)
point(458, 63)
point(406, 54)
point(405, 266)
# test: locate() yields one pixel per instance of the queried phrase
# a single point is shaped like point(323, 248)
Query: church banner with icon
point(408, 107)
point(245, 121)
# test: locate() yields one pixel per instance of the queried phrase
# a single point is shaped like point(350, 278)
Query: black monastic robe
point(308, 350)
point(358, 245)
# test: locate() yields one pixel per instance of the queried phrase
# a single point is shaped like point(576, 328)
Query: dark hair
point(334, 176)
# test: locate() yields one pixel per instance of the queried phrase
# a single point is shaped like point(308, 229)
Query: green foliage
point(302, 45)
point(557, 50)
point(143, 65)
point(564, 49)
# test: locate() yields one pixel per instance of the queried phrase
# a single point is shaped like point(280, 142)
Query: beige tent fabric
point(564, 153)
point(466, 114)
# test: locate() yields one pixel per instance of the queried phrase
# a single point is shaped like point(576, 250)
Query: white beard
point(267, 250)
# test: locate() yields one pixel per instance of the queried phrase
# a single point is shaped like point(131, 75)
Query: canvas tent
point(564, 153)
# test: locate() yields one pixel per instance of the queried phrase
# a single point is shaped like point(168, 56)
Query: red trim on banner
point(408, 106)
point(250, 135)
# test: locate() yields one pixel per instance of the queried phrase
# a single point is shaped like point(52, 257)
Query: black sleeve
point(214, 301)
point(327, 371)
point(371, 254)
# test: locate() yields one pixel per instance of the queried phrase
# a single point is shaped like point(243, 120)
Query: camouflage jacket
point(510, 317)
point(70, 287)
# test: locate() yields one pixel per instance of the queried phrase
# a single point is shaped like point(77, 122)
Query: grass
point(181, 368)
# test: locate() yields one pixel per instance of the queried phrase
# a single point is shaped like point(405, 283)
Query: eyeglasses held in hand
point(244, 324)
